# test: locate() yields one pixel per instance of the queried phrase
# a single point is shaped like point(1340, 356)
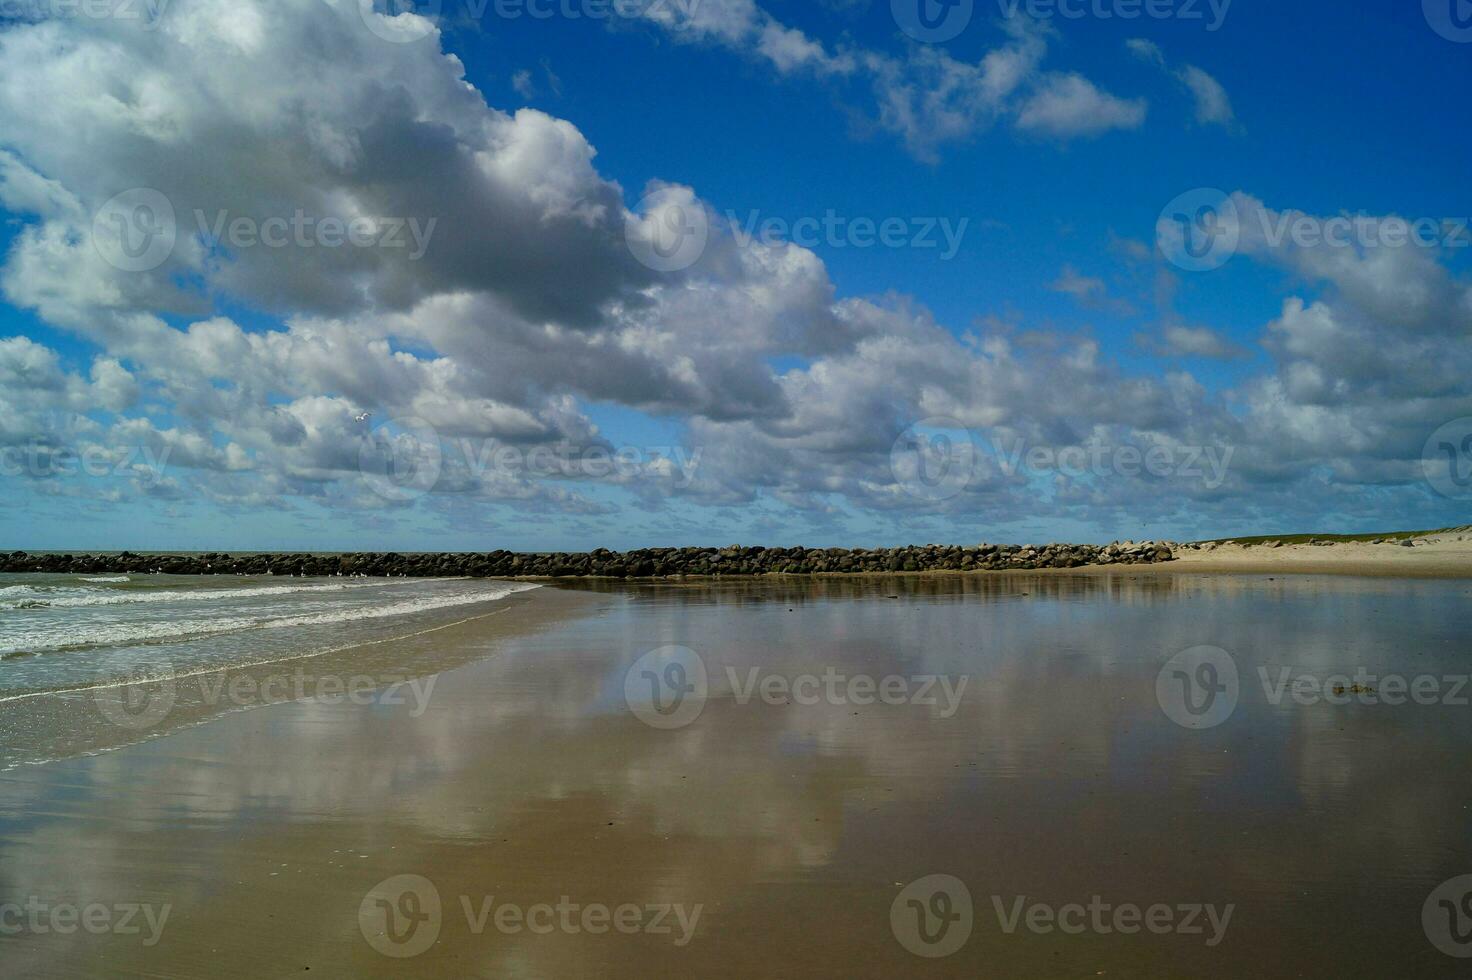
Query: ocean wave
point(37, 597)
point(108, 579)
point(85, 637)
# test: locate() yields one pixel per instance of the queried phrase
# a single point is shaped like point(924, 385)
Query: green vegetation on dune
point(1306, 538)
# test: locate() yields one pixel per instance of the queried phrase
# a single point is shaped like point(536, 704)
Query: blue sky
point(218, 396)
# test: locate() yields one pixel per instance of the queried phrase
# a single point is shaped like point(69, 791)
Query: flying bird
point(362, 418)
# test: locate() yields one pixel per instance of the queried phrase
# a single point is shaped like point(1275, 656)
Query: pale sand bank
point(1445, 555)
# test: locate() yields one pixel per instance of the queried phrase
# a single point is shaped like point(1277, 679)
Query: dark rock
point(733, 560)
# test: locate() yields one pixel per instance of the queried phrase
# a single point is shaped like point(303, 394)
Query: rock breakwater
point(734, 560)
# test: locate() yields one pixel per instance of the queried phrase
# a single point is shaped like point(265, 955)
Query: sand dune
point(1443, 554)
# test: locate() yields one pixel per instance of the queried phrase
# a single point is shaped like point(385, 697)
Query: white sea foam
point(42, 596)
point(84, 635)
point(108, 579)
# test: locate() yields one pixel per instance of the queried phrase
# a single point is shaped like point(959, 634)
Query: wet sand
point(786, 832)
point(118, 703)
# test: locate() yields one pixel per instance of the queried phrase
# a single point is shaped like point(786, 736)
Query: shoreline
point(52, 725)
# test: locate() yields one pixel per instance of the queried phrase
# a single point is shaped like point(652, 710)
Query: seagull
point(362, 418)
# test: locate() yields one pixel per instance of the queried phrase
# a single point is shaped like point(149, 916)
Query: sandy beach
point(534, 818)
point(1445, 555)
point(733, 489)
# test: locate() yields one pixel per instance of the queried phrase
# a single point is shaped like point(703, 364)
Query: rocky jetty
point(734, 560)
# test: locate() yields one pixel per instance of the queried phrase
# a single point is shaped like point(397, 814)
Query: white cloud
point(1182, 341)
point(790, 50)
point(530, 306)
point(1146, 50)
point(1089, 291)
point(1212, 104)
point(1070, 105)
point(924, 95)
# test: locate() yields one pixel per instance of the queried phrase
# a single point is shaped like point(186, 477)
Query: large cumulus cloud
point(252, 366)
